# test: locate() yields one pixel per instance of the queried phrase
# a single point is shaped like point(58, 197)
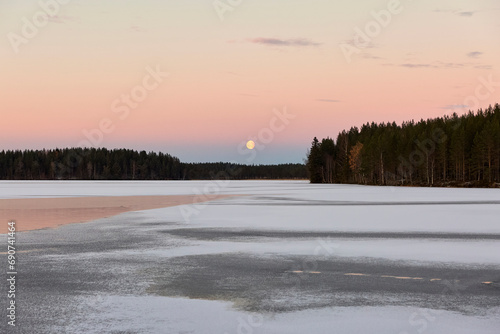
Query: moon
point(250, 144)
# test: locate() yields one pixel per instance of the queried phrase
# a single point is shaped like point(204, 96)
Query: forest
point(122, 164)
point(445, 151)
point(225, 170)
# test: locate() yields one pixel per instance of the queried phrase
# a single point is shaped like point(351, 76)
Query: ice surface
point(177, 315)
point(430, 227)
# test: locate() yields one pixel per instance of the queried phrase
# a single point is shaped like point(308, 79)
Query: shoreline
point(40, 213)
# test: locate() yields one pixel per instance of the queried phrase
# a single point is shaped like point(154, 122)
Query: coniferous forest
point(121, 164)
point(446, 151)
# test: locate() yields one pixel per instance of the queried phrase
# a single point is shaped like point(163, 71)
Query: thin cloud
point(367, 55)
point(466, 14)
point(328, 100)
point(474, 54)
point(283, 42)
point(455, 106)
point(484, 67)
point(234, 73)
point(458, 12)
point(441, 11)
point(437, 64)
point(410, 56)
point(441, 64)
point(136, 28)
point(409, 65)
point(361, 45)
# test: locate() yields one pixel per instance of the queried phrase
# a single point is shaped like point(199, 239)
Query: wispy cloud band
point(283, 42)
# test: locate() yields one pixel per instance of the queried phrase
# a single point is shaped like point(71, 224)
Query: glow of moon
point(250, 144)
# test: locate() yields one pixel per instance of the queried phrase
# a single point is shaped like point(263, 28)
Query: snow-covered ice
point(241, 245)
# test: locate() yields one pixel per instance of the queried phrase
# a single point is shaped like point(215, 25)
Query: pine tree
point(315, 162)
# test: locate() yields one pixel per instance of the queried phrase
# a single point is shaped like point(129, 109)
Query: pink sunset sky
point(79, 73)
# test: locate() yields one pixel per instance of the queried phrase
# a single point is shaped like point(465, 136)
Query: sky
point(198, 79)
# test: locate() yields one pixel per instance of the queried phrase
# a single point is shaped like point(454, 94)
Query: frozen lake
point(283, 257)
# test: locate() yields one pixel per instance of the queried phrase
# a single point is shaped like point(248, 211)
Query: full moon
point(250, 144)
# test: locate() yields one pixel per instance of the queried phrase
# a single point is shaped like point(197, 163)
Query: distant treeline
point(447, 151)
point(223, 170)
point(122, 164)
